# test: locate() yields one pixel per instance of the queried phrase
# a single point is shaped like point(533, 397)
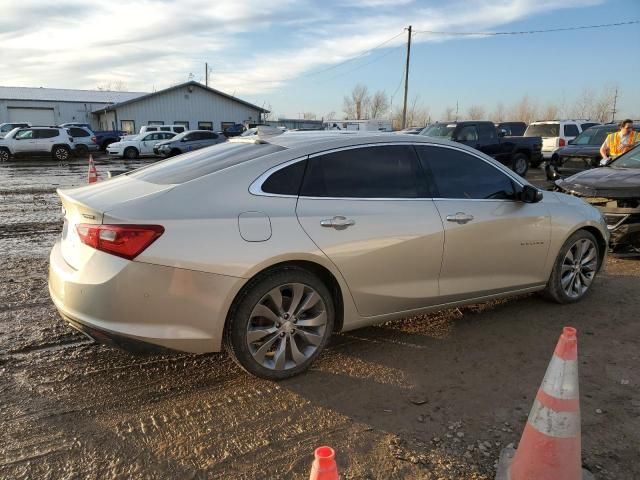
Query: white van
point(162, 128)
point(556, 133)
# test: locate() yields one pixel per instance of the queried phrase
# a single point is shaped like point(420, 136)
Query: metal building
point(53, 106)
point(190, 104)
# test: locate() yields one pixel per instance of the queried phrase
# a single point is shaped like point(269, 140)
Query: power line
point(368, 63)
point(528, 32)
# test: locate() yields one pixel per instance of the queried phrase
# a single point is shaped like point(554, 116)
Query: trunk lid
point(88, 205)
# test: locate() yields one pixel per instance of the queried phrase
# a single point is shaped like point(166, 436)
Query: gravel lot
point(434, 397)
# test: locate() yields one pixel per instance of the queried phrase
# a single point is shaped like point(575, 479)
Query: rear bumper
point(128, 303)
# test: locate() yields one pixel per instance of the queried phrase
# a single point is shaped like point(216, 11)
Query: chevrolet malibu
point(268, 245)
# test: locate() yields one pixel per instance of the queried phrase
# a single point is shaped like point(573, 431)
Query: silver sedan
point(268, 244)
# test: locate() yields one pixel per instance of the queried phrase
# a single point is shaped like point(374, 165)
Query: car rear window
point(593, 136)
point(543, 130)
point(199, 163)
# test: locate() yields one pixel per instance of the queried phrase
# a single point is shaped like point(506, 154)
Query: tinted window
point(165, 129)
point(202, 162)
point(46, 133)
point(584, 126)
point(593, 136)
point(285, 181)
point(486, 131)
point(544, 130)
point(78, 132)
point(370, 172)
point(178, 129)
point(467, 133)
point(166, 135)
point(571, 130)
point(457, 174)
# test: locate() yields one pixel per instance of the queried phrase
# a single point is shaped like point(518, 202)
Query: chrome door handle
point(460, 218)
point(338, 222)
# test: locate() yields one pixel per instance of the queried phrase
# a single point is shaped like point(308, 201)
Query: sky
point(295, 56)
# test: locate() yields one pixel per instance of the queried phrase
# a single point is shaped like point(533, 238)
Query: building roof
point(181, 85)
point(66, 95)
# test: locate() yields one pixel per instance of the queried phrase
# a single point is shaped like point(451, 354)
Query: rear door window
point(285, 181)
point(46, 133)
point(456, 174)
point(389, 171)
point(571, 130)
point(202, 162)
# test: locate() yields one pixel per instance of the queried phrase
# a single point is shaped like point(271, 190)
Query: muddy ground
point(435, 397)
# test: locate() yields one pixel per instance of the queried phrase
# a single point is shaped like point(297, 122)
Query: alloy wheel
point(4, 156)
point(521, 165)
point(62, 153)
point(579, 268)
point(286, 326)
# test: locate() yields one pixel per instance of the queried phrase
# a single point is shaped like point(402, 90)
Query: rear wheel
point(82, 151)
point(61, 152)
point(280, 324)
point(174, 152)
point(520, 164)
point(130, 153)
point(575, 268)
point(4, 155)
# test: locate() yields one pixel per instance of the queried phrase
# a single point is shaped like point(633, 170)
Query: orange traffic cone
point(93, 173)
point(324, 466)
point(550, 445)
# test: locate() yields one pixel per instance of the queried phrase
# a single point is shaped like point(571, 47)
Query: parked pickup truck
point(514, 152)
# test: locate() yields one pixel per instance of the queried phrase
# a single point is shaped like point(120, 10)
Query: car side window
point(46, 133)
point(457, 174)
point(285, 181)
point(467, 133)
point(78, 132)
point(153, 136)
point(571, 130)
point(24, 134)
point(486, 131)
point(385, 171)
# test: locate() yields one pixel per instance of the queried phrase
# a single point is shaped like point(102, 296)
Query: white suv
point(53, 141)
point(556, 134)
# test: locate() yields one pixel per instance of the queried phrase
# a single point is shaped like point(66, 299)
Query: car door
point(147, 143)
point(368, 210)
point(46, 138)
point(493, 242)
point(25, 141)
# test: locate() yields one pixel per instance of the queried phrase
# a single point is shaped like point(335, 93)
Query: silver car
point(268, 245)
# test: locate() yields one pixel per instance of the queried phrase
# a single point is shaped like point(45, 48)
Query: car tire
point(174, 152)
point(265, 334)
point(82, 151)
point(61, 153)
point(5, 155)
point(520, 164)
point(575, 268)
point(130, 153)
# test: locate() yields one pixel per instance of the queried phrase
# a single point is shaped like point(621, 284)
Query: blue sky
point(273, 52)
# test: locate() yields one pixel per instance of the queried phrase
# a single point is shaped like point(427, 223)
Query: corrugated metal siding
point(193, 106)
point(63, 111)
point(66, 95)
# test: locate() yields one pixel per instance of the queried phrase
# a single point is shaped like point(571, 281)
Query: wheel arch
point(323, 273)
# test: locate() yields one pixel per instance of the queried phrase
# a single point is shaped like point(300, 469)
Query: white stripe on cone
point(560, 379)
point(552, 423)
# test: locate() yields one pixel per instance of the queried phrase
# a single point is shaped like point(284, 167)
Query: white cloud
point(157, 43)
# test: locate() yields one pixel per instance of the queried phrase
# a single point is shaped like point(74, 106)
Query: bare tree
point(499, 114)
point(417, 114)
point(356, 105)
point(449, 114)
point(524, 111)
point(112, 86)
point(550, 112)
point(330, 116)
point(603, 105)
point(379, 104)
point(308, 115)
point(476, 112)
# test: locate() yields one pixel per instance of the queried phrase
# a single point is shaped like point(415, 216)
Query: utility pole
point(456, 110)
point(615, 101)
point(206, 74)
point(406, 80)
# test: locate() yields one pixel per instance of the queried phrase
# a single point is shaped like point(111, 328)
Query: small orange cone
point(324, 466)
point(93, 173)
point(550, 445)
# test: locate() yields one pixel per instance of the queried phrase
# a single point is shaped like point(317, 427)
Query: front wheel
point(4, 155)
point(575, 268)
point(130, 153)
point(280, 324)
point(520, 164)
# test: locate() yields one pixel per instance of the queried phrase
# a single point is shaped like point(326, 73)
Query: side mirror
point(502, 132)
point(530, 194)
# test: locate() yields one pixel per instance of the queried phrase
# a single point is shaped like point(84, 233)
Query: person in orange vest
point(620, 142)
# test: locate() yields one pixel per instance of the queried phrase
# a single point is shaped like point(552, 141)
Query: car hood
point(579, 150)
point(606, 182)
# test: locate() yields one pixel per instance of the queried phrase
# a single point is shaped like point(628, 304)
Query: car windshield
point(199, 163)
point(592, 136)
point(442, 130)
point(543, 130)
point(630, 159)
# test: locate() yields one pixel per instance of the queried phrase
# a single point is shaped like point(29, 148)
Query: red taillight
point(561, 142)
point(126, 241)
point(93, 139)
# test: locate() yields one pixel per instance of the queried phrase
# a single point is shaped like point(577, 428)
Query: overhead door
point(36, 116)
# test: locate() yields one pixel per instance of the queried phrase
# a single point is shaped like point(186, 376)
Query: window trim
point(255, 188)
point(182, 123)
point(133, 122)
